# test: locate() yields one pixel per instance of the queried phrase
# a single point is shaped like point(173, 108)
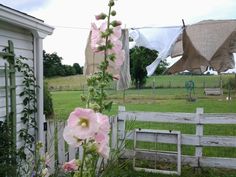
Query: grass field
point(161, 99)
point(78, 82)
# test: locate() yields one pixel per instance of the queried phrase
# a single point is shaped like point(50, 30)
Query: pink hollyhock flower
point(70, 166)
point(83, 122)
point(103, 149)
point(101, 138)
point(96, 38)
point(70, 136)
point(116, 35)
point(103, 121)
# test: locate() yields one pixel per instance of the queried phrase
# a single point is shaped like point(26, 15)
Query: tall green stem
point(105, 59)
point(83, 159)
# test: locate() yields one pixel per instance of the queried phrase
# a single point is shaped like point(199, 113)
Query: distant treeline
point(53, 66)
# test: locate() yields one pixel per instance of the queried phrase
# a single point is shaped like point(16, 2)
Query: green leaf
point(108, 106)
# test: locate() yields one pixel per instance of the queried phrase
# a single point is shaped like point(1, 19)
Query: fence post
point(50, 146)
point(121, 129)
point(114, 132)
point(72, 152)
point(199, 134)
point(61, 143)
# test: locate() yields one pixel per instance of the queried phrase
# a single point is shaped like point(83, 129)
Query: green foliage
point(78, 68)
point(28, 115)
point(53, 66)
point(230, 84)
point(6, 159)
point(47, 104)
point(140, 57)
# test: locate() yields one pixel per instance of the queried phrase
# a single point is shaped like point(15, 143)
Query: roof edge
point(24, 20)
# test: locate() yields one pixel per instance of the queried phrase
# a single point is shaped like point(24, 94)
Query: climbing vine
point(26, 133)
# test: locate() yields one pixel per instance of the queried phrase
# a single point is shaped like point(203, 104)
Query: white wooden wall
point(23, 46)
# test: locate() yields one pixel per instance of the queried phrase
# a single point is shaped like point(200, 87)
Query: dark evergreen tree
point(78, 69)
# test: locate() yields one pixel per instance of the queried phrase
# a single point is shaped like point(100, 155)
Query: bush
point(231, 84)
point(48, 105)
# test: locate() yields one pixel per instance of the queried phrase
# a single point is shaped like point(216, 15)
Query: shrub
point(48, 105)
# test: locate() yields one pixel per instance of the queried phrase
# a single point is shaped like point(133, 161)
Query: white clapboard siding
point(23, 46)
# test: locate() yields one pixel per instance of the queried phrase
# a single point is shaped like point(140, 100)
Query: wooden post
point(61, 143)
point(153, 86)
point(72, 152)
point(50, 145)
point(199, 133)
point(114, 132)
point(124, 96)
point(121, 129)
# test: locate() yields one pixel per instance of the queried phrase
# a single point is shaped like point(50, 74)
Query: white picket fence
point(199, 140)
point(60, 153)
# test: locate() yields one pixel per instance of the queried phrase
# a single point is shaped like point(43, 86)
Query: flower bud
point(101, 16)
point(113, 13)
point(116, 23)
point(111, 3)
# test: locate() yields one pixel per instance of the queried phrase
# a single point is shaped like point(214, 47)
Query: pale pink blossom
point(103, 121)
point(103, 149)
point(70, 136)
point(101, 138)
point(116, 35)
point(83, 122)
point(70, 166)
point(96, 38)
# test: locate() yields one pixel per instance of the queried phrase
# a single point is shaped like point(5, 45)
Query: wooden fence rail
point(198, 140)
point(60, 152)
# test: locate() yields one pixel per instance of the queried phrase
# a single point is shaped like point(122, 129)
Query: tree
point(140, 57)
point(52, 65)
point(69, 70)
point(78, 69)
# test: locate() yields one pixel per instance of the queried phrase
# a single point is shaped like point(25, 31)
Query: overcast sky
point(72, 18)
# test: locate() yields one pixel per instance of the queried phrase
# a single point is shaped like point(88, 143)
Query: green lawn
point(164, 100)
